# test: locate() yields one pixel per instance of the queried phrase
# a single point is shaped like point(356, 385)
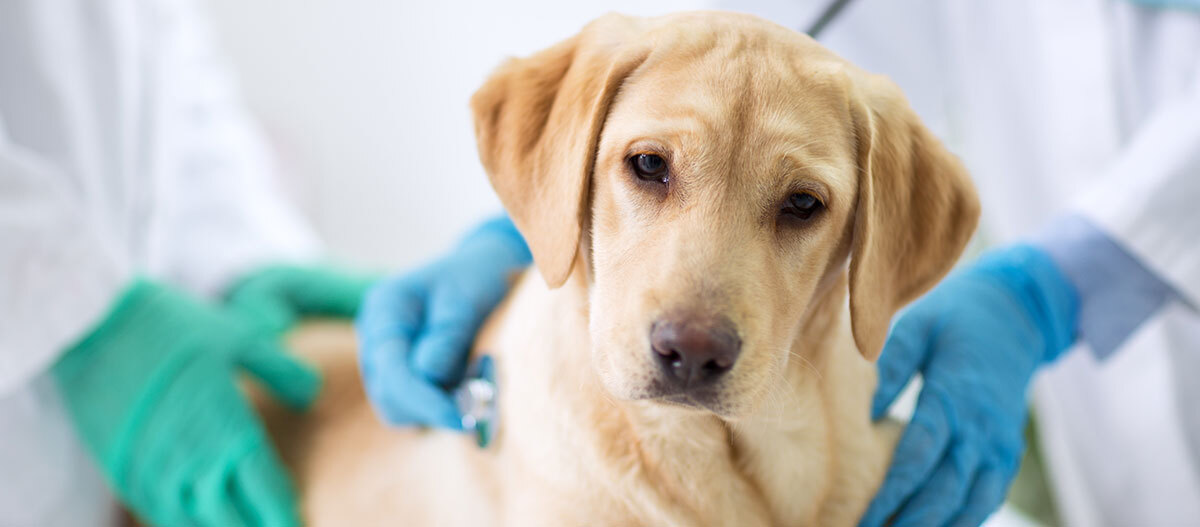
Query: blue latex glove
point(415, 330)
point(976, 339)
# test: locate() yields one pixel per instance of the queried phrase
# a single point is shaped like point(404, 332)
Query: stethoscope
point(830, 12)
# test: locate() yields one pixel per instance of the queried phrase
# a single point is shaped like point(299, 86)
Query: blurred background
point(366, 104)
point(1088, 105)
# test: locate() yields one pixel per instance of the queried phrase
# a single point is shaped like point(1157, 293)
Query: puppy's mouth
point(707, 399)
point(688, 400)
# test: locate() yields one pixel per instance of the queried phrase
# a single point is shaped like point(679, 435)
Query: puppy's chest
point(789, 469)
point(747, 475)
point(564, 440)
point(620, 472)
point(621, 463)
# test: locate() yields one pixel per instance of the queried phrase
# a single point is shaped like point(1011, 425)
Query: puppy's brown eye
point(801, 206)
point(650, 167)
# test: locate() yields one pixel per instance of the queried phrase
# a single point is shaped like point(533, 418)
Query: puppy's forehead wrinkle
point(679, 45)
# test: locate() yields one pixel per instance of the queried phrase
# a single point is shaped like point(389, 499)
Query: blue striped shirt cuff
point(1116, 292)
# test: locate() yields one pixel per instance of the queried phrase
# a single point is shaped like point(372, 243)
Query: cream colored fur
point(746, 113)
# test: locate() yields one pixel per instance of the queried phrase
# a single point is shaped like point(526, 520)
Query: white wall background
point(367, 102)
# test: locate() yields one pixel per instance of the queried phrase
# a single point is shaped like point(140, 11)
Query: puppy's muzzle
point(692, 351)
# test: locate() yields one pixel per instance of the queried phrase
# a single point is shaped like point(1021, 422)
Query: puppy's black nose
point(693, 351)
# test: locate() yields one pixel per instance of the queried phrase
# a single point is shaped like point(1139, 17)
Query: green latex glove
point(274, 298)
point(153, 396)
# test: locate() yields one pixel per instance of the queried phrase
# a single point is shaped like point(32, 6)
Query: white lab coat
point(123, 149)
point(1085, 106)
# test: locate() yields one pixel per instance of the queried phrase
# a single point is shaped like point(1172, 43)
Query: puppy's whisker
point(804, 361)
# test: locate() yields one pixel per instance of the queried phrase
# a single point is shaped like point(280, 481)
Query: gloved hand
point(976, 339)
point(274, 298)
point(152, 395)
point(415, 330)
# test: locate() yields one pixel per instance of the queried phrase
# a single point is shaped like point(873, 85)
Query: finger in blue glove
point(415, 330)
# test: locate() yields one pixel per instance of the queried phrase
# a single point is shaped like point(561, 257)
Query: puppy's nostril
point(675, 359)
point(670, 357)
point(717, 366)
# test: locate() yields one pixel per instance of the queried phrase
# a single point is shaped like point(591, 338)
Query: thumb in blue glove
point(977, 340)
point(415, 330)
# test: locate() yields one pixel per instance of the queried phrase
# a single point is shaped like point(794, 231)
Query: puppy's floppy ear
point(916, 210)
point(537, 125)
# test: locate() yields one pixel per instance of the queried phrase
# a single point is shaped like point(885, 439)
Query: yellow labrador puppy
point(724, 216)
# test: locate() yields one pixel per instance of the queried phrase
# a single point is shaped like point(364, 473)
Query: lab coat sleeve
point(1149, 199)
point(1117, 293)
point(229, 211)
point(60, 273)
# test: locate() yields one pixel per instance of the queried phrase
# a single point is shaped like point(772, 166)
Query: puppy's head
point(710, 176)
